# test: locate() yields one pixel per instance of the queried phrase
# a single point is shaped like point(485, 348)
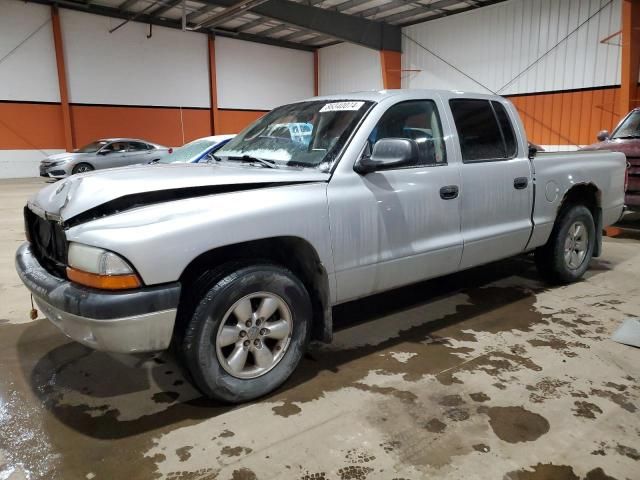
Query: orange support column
point(62, 80)
point(630, 55)
point(316, 73)
point(213, 85)
point(391, 63)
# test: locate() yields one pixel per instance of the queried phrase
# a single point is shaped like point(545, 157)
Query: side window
point(484, 130)
point(504, 121)
point(118, 147)
point(417, 120)
point(137, 147)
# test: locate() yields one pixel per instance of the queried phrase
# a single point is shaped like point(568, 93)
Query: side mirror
point(104, 152)
point(389, 153)
point(603, 135)
point(533, 150)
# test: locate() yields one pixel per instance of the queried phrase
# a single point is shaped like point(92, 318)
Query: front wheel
point(567, 254)
point(248, 332)
point(81, 168)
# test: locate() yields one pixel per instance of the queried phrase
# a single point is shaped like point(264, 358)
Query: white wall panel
point(22, 163)
point(254, 76)
point(495, 44)
point(29, 73)
point(347, 68)
point(127, 68)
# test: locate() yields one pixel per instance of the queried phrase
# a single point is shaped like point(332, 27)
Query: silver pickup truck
point(239, 261)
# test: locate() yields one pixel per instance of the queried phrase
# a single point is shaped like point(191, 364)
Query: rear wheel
point(567, 254)
point(248, 332)
point(82, 168)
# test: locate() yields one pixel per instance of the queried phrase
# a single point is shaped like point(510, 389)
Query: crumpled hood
point(77, 194)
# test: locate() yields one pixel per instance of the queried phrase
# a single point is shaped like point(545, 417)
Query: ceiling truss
point(301, 24)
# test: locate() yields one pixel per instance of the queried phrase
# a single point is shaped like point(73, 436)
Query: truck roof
point(379, 95)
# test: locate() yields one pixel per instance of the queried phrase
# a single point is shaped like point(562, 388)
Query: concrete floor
point(488, 374)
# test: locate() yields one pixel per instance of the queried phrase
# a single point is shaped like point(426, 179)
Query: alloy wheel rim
point(575, 245)
point(82, 169)
point(254, 335)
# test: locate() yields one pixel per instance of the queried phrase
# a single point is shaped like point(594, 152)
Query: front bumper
point(58, 171)
point(632, 201)
point(131, 321)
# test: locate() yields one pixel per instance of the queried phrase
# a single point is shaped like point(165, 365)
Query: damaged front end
point(105, 250)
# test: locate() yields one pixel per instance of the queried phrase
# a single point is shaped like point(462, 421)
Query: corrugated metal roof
point(394, 12)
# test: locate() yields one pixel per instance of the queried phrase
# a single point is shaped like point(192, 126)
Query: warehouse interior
point(63, 85)
point(488, 373)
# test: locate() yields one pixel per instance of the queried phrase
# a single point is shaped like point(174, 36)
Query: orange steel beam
point(391, 64)
point(213, 92)
point(316, 73)
point(630, 55)
point(609, 37)
point(62, 80)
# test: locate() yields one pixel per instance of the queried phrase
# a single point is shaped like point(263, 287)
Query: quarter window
point(416, 120)
point(484, 130)
point(511, 146)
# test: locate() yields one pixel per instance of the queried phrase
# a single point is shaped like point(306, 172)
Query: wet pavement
point(484, 374)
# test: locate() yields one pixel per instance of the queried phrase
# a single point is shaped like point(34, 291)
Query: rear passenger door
point(496, 190)
point(138, 152)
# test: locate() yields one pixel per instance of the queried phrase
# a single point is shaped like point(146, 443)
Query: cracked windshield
point(306, 134)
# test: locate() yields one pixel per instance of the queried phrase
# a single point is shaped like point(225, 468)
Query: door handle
point(520, 183)
point(449, 192)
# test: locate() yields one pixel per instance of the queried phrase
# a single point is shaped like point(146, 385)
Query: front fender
point(160, 240)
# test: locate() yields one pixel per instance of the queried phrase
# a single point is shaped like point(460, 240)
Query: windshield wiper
point(626, 136)
point(250, 159)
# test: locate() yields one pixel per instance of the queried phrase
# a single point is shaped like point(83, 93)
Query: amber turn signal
point(104, 282)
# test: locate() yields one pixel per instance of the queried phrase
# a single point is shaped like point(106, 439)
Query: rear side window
point(484, 130)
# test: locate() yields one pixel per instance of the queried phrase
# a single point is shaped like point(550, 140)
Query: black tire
point(82, 168)
point(223, 290)
point(550, 259)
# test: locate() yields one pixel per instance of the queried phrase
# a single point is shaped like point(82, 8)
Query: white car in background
point(196, 151)
point(105, 153)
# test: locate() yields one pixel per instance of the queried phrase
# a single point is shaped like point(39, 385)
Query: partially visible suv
point(626, 139)
point(105, 153)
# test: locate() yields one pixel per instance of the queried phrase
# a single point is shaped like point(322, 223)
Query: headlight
point(55, 164)
point(98, 268)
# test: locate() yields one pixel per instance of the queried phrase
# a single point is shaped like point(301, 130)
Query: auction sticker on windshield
point(341, 106)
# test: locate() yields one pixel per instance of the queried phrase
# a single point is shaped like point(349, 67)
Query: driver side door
point(398, 226)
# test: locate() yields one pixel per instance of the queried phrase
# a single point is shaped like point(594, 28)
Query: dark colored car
point(626, 139)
